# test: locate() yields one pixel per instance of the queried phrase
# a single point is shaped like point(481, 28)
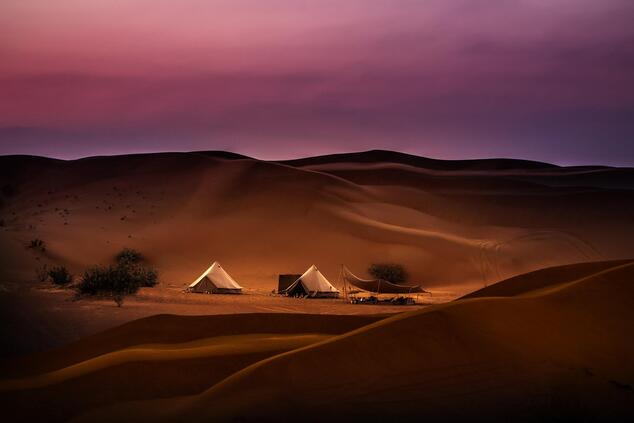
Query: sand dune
point(385, 156)
point(455, 226)
point(206, 348)
point(158, 357)
point(164, 329)
point(561, 353)
point(250, 214)
point(544, 279)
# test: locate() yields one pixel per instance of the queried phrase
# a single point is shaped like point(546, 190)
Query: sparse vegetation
point(109, 281)
point(129, 256)
point(60, 275)
point(116, 281)
point(37, 244)
point(147, 276)
point(41, 273)
point(394, 273)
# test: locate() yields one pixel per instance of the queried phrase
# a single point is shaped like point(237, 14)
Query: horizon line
point(302, 157)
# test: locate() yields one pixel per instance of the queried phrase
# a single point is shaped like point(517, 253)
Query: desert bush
point(394, 273)
point(116, 281)
point(37, 244)
point(145, 275)
point(118, 298)
point(108, 281)
point(129, 256)
point(60, 275)
point(41, 273)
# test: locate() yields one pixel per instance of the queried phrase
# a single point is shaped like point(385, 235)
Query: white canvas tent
point(312, 284)
point(215, 280)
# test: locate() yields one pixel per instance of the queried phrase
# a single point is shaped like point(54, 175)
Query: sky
point(549, 80)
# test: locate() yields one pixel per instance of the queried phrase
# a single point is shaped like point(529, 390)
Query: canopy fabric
point(286, 280)
point(218, 278)
point(379, 286)
point(314, 284)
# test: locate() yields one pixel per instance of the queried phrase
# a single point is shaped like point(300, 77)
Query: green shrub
point(129, 256)
point(60, 275)
point(394, 273)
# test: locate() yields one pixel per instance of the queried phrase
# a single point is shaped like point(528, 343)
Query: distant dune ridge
point(451, 223)
point(560, 350)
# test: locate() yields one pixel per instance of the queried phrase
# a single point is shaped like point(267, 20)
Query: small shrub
point(146, 276)
point(129, 256)
point(37, 244)
point(118, 299)
point(41, 273)
point(109, 281)
point(116, 281)
point(60, 275)
point(394, 273)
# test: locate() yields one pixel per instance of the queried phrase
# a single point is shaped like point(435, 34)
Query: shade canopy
point(379, 286)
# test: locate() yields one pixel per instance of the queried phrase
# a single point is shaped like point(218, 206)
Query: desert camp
point(313, 284)
point(215, 280)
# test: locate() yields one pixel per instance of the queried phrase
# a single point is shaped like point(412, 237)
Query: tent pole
point(345, 285)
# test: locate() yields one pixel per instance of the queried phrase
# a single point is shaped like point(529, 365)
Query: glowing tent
point(312, 284)
point(215, 280)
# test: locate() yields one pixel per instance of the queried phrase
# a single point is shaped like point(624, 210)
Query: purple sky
point(548, 80)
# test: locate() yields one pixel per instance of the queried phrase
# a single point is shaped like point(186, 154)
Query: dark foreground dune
point(558, 350)
point(170, 329)
point(156, 357)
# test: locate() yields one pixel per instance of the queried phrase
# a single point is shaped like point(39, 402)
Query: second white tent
point(312, 284)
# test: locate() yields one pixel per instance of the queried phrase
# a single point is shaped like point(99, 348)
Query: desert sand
point(452, 224)
point(551, 339)
point(561, 350)
point(455, 225)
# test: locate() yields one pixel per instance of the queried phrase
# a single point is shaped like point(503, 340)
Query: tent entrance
point(297, 290)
